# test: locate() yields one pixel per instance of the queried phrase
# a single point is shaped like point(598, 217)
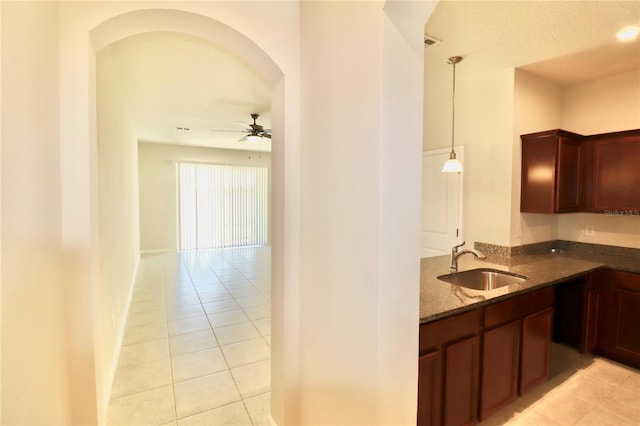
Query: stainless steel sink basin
point(483, 278)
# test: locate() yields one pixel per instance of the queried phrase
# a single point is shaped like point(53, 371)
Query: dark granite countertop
point(439, 299)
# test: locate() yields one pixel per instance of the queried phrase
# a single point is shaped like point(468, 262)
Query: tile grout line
point(163, 270)
point(242, 398)
point(246, 409)
point(228, 369)
point(166, 321)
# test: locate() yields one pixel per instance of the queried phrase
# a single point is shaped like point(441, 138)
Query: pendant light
point(452, 165)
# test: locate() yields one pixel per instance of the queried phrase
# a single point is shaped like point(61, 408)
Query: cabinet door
point(616, 174)
point(567, 175)
point(604, 281)
point(626, 316)
point(550, 172)
point(538, 174)
point(461, 381)
point(627, 309)
point(536, 349)
point(591, 314)
point(500, 366)
point(429, 389)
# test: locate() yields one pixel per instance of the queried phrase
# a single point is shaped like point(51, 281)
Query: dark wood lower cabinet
point(449, 366)
point(470, 365)
point(473, 364)
point(429, 389)
point(625, 318)
point(612, 315)
point(500, 366)
point(592, 312)
point(536, 349)
point(461, 376)
point(448, 384)
point(627, 307)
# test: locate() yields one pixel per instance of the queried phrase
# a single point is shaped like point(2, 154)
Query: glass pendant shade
point(452, 165)
point(254, 138)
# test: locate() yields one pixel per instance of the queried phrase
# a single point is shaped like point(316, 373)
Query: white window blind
point(222, 206)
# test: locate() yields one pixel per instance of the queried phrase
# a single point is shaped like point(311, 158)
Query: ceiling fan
point(254, 132)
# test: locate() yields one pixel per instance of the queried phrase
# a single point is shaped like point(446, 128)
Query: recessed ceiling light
point(628, 33)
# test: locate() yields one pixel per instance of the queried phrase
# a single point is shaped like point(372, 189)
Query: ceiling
point(566, 42)
point(174, 80)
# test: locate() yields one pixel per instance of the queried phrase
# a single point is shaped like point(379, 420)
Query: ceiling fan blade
point(242, 139)
point(227, 131)
point(266, 135)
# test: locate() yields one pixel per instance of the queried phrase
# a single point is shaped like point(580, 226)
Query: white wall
point(484, 123)
point(608, 104)
point(34, 366)
point(605, 105)
point(158, 186)
point(345, 319)
point(352, 174)
point(340, 171)
point(537, 106)
point(487, 109)
point(80, 33)
point(400, 201)
point(118, 220)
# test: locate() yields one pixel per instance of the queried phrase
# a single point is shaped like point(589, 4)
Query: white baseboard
point(119, 337)
point(157, 251)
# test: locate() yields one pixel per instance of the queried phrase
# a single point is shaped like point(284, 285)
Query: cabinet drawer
point(518, 307)
point(435, 334)
point(628, 281)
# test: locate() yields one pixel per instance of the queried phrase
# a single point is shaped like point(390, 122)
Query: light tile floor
point(196, 347)
point(196, 351)
point(582, 390)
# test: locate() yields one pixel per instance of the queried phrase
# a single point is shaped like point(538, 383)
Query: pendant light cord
point(453, 108)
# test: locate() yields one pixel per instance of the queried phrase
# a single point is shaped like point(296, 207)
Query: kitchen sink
point(483, 278)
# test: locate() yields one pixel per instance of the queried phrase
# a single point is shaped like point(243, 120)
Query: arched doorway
point(143, 21)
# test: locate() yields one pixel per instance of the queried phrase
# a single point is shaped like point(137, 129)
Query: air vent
point(430, 41)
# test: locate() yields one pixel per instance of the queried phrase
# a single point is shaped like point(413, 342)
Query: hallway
point(196, 346)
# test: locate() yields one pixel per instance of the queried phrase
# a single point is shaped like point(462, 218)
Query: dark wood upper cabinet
point(566, 172)
point(550, 172)
point(616, 175)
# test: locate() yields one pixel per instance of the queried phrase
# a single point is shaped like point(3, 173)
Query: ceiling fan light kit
point(254, 132)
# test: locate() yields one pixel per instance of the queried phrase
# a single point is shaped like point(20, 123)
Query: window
point(222, 206)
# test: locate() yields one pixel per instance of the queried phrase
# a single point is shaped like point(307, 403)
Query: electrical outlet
point(589, 230)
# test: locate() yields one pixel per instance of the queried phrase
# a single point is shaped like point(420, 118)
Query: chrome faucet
point(455, 255)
